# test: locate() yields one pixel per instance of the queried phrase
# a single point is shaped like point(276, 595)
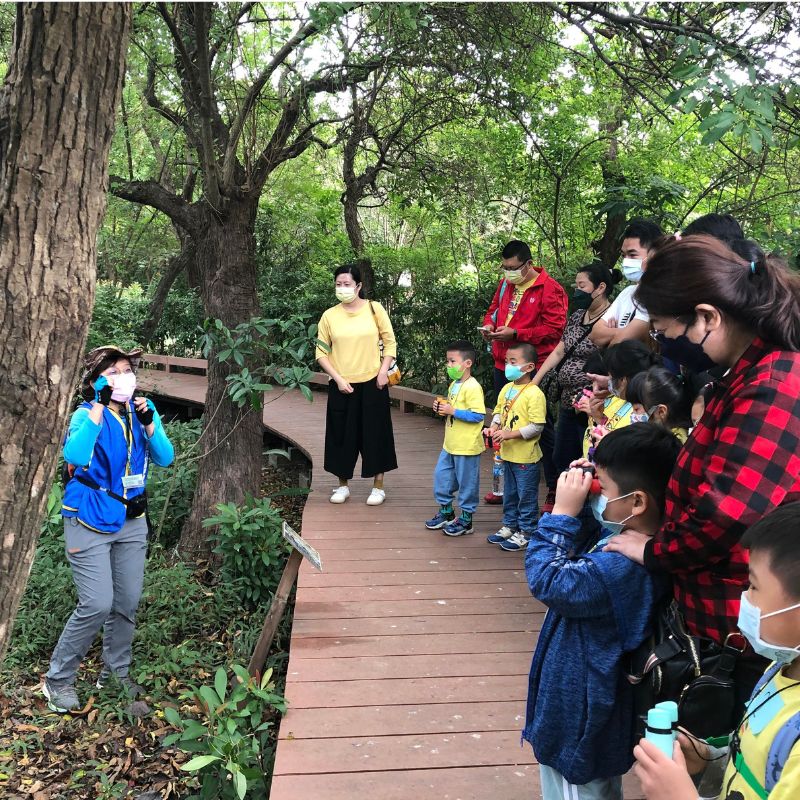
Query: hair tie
point(677, 236)
point(752, 267)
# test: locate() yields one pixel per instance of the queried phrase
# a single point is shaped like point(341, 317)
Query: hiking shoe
point(519, 541)
point(459, 527)
point(340, 494)
point(61, 697)
point(376, 497)
point(493, 499)
point(504, 533)
point(132, 689)
point(549, 502)
point(439, 521)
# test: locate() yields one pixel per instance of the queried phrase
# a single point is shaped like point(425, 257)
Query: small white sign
point(302, 547)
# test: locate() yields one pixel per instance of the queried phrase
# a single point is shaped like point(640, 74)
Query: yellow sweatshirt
point(353, 339)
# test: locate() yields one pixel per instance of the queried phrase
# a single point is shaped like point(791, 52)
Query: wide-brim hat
point(108, 352)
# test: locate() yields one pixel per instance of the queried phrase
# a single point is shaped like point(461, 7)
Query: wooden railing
point(407, 397)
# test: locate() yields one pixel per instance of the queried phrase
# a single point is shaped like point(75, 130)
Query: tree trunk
point(607, 247)
point(181, 262)
point(353, 228)
point(57, 108)
point(232, 436)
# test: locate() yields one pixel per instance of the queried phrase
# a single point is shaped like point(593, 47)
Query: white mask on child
point(123, 387)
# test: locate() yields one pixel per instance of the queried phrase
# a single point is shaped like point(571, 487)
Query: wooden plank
point(412, 591)
point(397, 720)
point(402, 691)
point(380, 753)
point(425, 666)
point(416, 626)
point(310, 577)
point(308, 610)
point(453, 643)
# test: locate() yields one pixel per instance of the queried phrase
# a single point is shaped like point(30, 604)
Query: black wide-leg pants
point(359, 423)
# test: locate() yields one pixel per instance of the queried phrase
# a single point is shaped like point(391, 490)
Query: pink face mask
point(124, 386)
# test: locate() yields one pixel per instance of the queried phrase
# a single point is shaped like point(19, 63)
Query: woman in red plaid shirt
point(710, 307)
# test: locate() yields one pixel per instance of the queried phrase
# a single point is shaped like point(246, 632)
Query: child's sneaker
point(504, 533)
point(519, 541)
point(493, 499)
point(460, 527)
point(439, 521)
point(549, 502)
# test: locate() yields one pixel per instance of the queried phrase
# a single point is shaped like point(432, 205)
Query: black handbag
point(694, 672)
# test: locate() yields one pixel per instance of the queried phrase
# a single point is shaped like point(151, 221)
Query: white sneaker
point(340, 494)
point(376, 497)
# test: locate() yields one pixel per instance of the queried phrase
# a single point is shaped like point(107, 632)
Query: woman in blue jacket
point(112, 439)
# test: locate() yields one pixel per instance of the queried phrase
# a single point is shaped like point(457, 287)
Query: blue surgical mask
point(514, 372)
point(598, 504)
point(632, 268)
point(750, 625)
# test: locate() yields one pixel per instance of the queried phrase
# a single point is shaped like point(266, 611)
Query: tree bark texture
point(232, 437)
point(57, 113)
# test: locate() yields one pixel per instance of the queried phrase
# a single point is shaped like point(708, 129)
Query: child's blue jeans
point(521, 496)
point(457, 474)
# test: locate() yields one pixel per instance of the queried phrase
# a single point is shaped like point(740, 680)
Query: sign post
point(300, 550)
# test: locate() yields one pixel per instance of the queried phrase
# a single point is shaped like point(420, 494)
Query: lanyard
point(127, 432)
point(506, 412)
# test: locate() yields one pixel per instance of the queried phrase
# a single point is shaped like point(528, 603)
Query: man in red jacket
point(528, 306)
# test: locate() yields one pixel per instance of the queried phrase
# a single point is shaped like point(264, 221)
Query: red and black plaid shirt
point(741, 461)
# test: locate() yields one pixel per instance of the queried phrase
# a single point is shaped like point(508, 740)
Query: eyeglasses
point(657, 334)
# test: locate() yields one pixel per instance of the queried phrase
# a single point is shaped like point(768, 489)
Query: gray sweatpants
point(108, 570)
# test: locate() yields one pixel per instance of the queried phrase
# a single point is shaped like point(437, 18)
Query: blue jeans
point(521, 497)
point(457, 473)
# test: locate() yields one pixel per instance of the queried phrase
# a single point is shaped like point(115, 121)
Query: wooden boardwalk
point(410, 652)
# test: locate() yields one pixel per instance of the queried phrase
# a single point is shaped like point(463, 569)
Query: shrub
point(252, 547)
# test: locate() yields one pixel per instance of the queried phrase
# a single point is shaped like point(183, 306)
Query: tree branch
point(151, 193)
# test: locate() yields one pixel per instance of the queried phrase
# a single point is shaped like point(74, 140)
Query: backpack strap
point(780, 750)
point(750, 779)
point(503, 288)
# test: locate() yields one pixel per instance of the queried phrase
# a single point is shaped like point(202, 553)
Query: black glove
point(146, 416)
point(102, 391)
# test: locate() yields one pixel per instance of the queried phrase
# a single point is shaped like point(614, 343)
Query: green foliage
point(277, 351)
point(229, 742)
point(252, 547)
point(170, 490)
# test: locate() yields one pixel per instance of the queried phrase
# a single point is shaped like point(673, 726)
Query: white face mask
point(632, 268)
point(123, 387)
point(346, 294)
point(750, 617)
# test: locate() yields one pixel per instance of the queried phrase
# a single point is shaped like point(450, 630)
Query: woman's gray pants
point(108, 570)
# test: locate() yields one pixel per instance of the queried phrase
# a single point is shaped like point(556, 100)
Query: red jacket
point(540, 318)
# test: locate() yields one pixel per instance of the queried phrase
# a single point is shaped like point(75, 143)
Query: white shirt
point(625, 308)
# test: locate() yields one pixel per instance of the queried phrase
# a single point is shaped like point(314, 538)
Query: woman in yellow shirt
point(358, 419)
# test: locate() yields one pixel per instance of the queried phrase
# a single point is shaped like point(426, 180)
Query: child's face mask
point(598, 504)
point(750, 625)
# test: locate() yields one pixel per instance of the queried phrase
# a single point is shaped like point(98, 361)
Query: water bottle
point(497, 472)
point(672, 709)
point(659, 730)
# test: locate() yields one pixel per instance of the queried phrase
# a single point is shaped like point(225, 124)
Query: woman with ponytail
point(710, 306)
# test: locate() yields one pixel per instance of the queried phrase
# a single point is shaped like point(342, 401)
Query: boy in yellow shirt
point(764, 753)
point(458, 468)
point(517, 424)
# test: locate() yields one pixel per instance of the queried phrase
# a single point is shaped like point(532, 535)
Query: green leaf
point(172, 716)
point(198, 762)
point(755, 140)
point(210, 697)
point(240, 782)
point(221, 683)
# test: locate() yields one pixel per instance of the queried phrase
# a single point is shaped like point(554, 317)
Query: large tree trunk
point(354, 234)
point(57, 110)
point(232, 436)
point(607, 247)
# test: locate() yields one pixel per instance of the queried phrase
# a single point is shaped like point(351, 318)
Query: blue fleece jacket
point(580, 718)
